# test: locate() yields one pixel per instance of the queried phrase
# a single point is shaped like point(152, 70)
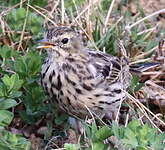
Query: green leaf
point(13, 82)
point(6, 80)
point(99, 146)
point(135, 85)
point(103, 133)
point(10, 141)
point(21, 13)
point(20, 66)
point(7, 52)
point(16, 19)
point(117, 131)
point(5, 117)
point(141, 148)
point(3, 90)
point(71, 146)
point(133, 125)
point(158, 142)
point(7, 103)
point(15, 94)
point(93, 131)
point(130, 139)
point(17, 83)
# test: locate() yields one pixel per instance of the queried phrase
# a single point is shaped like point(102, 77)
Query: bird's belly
point(79, 101)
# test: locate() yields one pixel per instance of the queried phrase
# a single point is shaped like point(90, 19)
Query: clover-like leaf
point(7, 103)
point(5, 117)
point(103, 133)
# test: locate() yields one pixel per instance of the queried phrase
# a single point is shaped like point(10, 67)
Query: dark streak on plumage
point(70, 81)
point(64, 107)
point(97, 95)
point(82, 72)
point(66, 67)
point(75, 97)
point(70, 59)
point(104, 102)
point(50, 78)
point(88, 78)
point(106, 71)
point(117, 91)
point(60, 100)
point(79, 66)
point(53, 73)
point(109, 103)
point(109, 95)
point(113, 76)
point(98, 67)
point(78, 91)
point(43, 75)
point(116, 65)
point(59, 84)
point(58, 31)
point(74, 70)
point(47, 69)
point(116, 101)
point(86, 87)
point(61, 92)
point(69, 92)
point(101, 108)
point(45, 86)
point(68, 100)
point(41, 82)
point(54, 97)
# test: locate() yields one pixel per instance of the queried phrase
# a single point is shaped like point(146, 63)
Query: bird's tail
point(139, 68)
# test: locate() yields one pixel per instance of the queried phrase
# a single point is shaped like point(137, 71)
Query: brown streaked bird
point(80, 79)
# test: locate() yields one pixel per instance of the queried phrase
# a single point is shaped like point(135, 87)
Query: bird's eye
point(65, 40)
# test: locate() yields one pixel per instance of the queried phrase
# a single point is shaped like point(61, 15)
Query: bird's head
point(63, 40)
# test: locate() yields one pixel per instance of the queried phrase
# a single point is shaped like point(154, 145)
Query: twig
point(75, 7)
point(24, 26)
point(140, 61)
point(87, 35)
point(128, 27)
point(62, 11)
point(139, 104)
point(108, 15)
point(81, 13)
point(153, 73)
point(2, 24)
point(42, 15)
point(145, 54)
point(147, 30)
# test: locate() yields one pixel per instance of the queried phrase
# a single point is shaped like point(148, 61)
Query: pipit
point(80, 80)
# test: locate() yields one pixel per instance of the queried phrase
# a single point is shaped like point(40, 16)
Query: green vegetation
point(133, 136)
point(22, 97)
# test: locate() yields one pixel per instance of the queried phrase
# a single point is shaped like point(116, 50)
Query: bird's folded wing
point(104, 65)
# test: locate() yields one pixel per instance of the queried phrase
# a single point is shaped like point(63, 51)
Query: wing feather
point(105, 65)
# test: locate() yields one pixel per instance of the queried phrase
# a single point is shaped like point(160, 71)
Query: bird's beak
point(45, 44)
